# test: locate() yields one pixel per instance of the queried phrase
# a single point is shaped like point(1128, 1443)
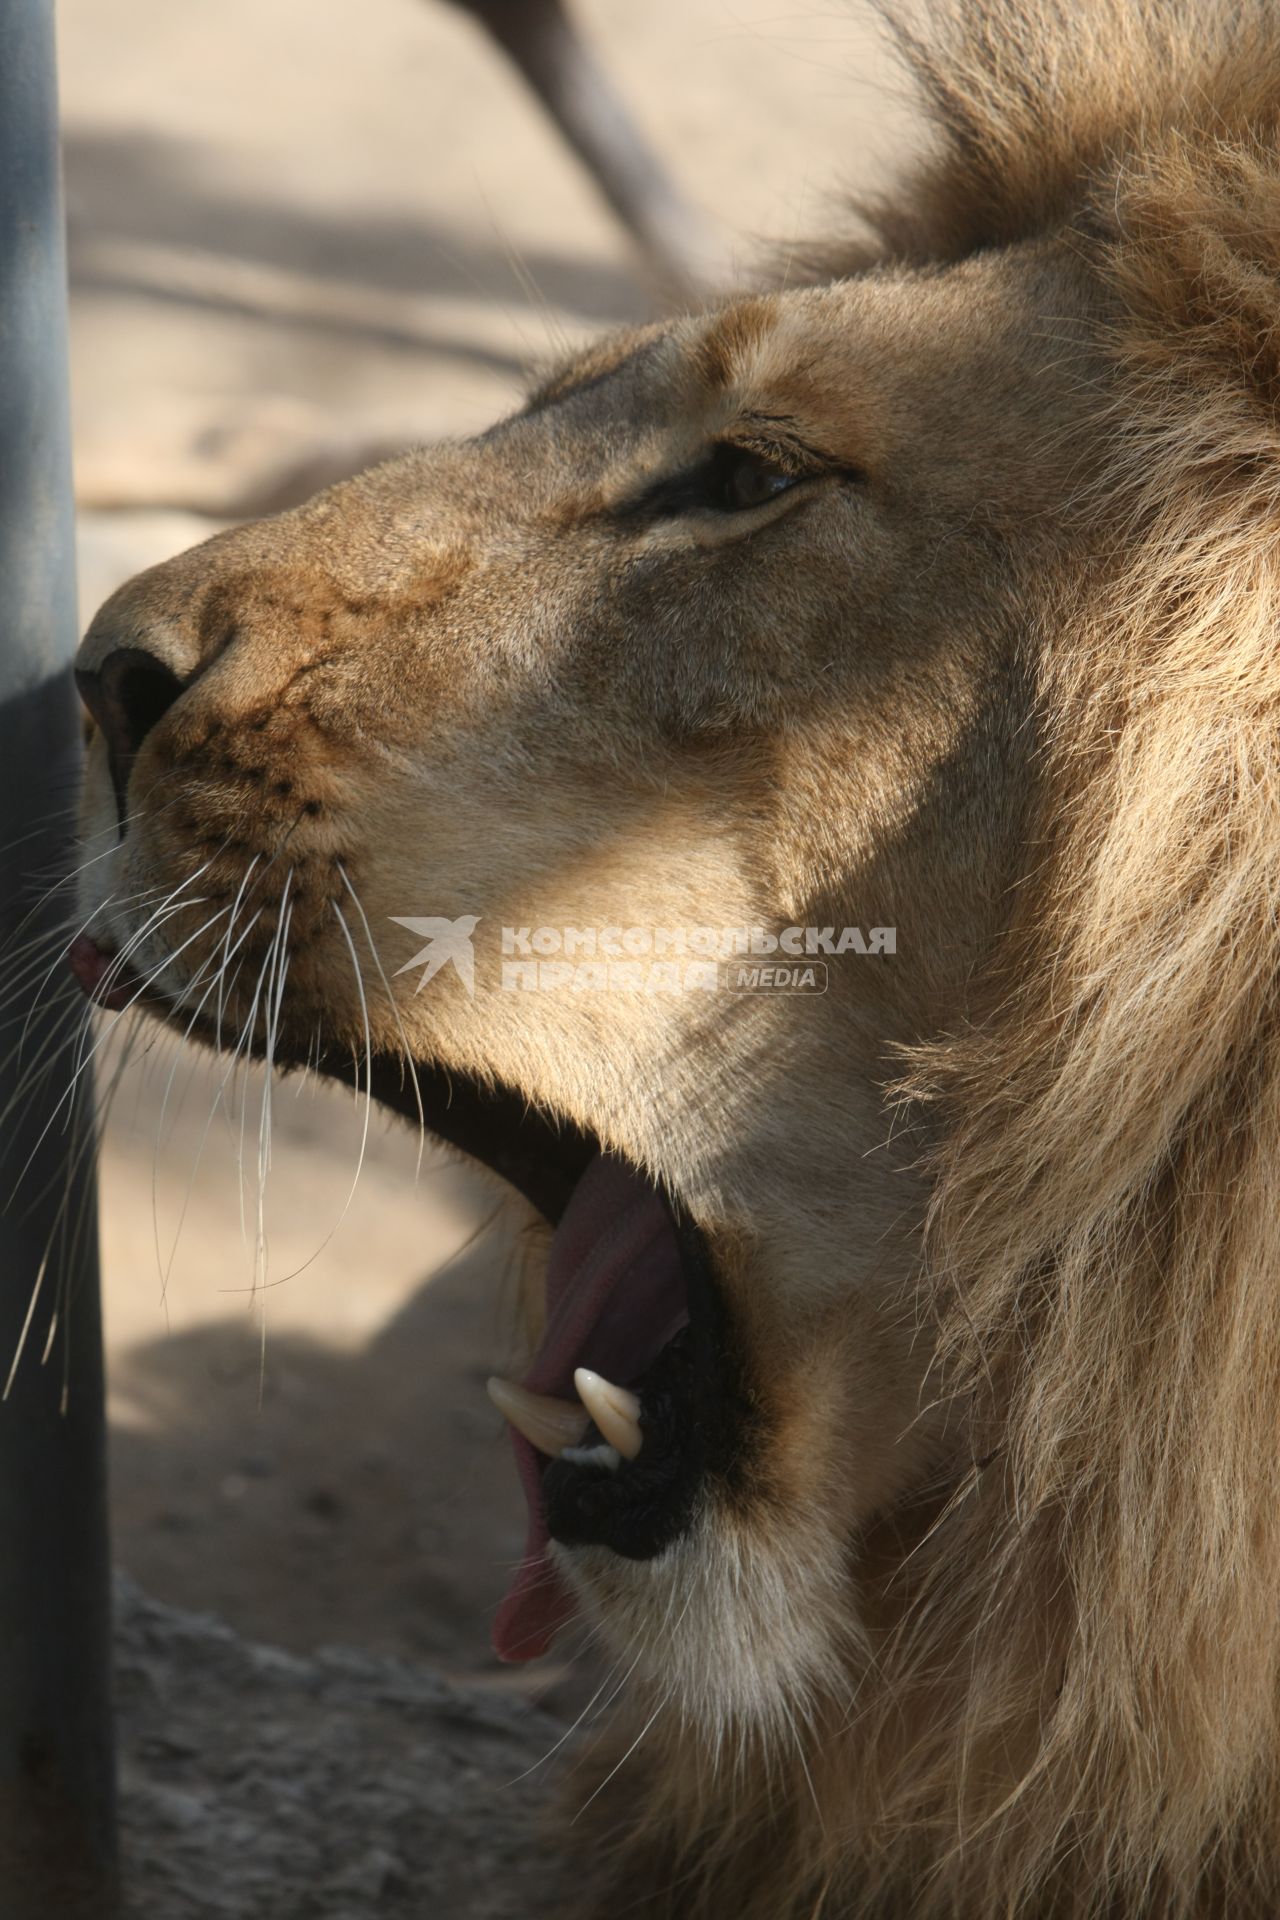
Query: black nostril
point(128, 694)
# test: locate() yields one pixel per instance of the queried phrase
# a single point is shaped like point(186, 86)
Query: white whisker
point(407, 1054)
point(368, 1109)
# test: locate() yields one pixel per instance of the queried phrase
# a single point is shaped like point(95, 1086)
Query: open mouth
point(632, 1401)
point(626, 1407)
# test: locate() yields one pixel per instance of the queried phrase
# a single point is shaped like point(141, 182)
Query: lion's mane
point(1073, 1705)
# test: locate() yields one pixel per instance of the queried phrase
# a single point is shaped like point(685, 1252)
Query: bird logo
point(448, 941)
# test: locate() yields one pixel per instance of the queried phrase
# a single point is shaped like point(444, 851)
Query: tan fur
point(994, 1626)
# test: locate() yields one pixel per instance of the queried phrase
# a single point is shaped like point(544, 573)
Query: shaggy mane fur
point(1104, 1238)
point(1037, 110)
point(1095, 1614)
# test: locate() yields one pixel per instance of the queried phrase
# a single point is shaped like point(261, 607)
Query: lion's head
point(922, 620)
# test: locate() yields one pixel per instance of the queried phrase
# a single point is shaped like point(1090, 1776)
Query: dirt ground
point(339, 1785)
point(302, 231)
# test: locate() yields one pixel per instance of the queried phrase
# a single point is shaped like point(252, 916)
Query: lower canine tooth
point(615, 1411)
point(546, 1423)
point(599, 1456)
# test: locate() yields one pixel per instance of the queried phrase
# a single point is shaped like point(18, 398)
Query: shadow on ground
point(146, 190)
point(370, 1498)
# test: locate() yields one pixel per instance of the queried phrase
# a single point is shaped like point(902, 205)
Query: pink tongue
point(615, 1297)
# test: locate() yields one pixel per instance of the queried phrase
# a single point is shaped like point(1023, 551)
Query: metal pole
point(56, 1774)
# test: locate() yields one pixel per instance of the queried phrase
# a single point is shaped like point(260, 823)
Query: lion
point(904, 1420)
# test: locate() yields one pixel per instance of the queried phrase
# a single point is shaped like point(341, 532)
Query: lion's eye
point(740, 479)
point(727, 480)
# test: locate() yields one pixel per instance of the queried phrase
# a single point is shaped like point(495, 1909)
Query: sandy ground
point(302, 231)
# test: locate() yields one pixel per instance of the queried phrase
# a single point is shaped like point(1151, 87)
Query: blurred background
point(303, 234)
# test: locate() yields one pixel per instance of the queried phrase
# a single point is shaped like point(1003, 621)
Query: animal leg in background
point(541, 39)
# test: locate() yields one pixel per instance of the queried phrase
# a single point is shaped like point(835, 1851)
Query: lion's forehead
point(892, 366)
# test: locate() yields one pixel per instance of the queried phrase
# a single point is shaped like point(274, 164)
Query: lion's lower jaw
point(736, 1648)
point(696, 1799)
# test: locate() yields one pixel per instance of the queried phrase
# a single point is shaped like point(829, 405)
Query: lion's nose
point(127, 693)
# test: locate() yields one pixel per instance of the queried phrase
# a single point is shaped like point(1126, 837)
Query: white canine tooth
point(601, 1455)
point(615, 1411)
point(546, 1423)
